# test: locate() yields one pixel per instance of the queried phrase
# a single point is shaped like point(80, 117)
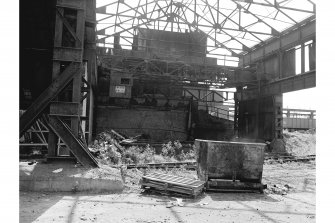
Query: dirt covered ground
point(290, 198)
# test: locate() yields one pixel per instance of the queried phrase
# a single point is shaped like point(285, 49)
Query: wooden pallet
point(165, 165)
point(172, 183)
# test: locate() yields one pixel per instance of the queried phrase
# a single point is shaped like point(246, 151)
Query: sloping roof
point(232, 27)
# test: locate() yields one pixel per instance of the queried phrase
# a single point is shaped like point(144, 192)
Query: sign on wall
point(120, 89)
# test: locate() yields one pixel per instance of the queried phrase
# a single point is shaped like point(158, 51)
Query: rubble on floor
point(113, 148)
point(277, 189)
point(285, 178)
point(300, 143)
point(296, 143)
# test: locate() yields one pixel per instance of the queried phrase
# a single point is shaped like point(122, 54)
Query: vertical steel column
point(236, 118)
point(278, 116)
point(172, 17)
point(237, 98)
point(256, 132)
point(303, 58)
point(66, 51)
point(280, 59)
point(52, 137)
point(90, 57)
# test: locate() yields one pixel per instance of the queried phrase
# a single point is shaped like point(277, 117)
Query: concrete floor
point(67, 177)
point(132, 206)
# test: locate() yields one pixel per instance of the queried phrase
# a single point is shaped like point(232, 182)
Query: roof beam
point(233, 37)
point(117, 24)
point(276, 31)
point(243, 28)
point(276, 6)
point(279, 10)
point(182, 23)
point(293, 83)
point(297, 35)
point(102, 11)
point(101, 40)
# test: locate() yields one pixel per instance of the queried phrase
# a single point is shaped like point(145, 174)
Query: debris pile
point(277, 189)
point(179, 202)
point(297, 143)
point(106, 148)
point(113, 148)
point(117, 150)
point(300, 143)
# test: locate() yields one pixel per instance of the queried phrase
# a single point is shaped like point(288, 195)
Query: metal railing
point(218, 112)
point(299, 113)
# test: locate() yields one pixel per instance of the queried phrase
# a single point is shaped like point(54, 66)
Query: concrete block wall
point(159, 125)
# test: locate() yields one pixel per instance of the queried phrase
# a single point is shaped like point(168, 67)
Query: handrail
point(299, 113)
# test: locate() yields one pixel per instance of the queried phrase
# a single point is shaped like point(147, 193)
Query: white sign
point(120, 89)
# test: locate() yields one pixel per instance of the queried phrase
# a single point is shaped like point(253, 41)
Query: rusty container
point(240, 161)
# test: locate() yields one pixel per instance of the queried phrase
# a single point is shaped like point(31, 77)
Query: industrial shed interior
point(163, 105)
point(171, 70)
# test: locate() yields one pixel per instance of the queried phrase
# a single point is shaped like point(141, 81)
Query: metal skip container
point(230, 166)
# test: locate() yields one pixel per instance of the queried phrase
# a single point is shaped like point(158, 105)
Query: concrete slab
point(66, 177)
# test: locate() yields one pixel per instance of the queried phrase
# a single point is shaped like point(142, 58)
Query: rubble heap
point(300, 143)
